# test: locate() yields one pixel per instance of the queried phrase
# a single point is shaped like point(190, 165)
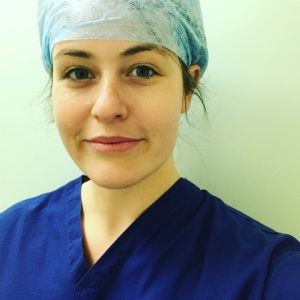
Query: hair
point(190, 84)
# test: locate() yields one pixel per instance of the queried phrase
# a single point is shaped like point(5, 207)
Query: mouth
point(113, 144)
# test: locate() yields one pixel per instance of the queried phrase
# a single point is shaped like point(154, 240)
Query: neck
point(115, 208)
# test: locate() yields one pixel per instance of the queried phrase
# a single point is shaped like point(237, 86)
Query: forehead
point(93, 49)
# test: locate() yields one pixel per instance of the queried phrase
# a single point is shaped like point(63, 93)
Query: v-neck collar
point(135, 236)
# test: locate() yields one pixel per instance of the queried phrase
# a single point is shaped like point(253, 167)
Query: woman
point(123, 73)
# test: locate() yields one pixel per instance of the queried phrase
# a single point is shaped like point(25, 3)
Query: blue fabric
point(187, 245)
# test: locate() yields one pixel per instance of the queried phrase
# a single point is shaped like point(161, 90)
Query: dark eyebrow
point(128, 52)
point(76, 53)
point(137, 49)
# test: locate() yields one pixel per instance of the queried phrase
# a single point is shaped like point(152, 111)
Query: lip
point(111, 139)
point(113, 144)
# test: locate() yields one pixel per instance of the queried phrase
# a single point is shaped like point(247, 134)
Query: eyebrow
point(128, 52)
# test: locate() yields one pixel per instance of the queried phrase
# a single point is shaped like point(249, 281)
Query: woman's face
point(117, 106)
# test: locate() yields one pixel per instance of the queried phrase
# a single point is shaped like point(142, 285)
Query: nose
point(109, 104)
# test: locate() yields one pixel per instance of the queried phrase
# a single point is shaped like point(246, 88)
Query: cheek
point(68, 116)
point(163, 116)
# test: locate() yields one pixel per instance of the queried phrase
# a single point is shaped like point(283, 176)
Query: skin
point(139, 95)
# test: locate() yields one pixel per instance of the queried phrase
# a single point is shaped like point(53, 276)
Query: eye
point(143, 71)
point(78, 74)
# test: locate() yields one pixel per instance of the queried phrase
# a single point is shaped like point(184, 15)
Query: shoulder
point(239, 244)
point(28, 211)
point(223, 218)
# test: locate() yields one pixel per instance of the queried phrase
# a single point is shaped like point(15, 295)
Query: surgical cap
point(174, 24)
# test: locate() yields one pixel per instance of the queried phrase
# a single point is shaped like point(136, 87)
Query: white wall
point(248, 153)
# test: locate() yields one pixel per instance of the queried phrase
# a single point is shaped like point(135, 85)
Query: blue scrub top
point(187, 245)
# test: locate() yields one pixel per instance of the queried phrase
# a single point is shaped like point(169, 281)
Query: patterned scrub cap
point(174, 24)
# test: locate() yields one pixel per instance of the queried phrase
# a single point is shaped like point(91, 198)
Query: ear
point(194, 71)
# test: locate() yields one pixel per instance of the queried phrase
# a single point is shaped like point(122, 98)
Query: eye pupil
point(81, 74)
point(143, 71)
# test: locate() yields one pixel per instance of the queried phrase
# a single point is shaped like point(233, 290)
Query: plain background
point(248, 153)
